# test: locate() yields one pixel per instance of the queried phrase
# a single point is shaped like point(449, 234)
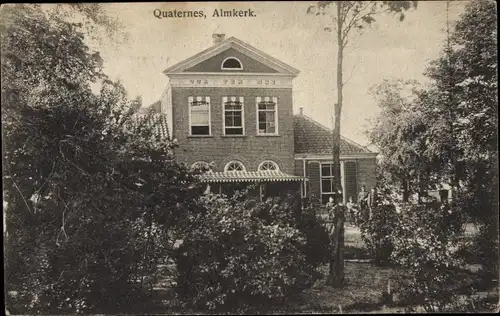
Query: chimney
point(218, 37)
point(301, 111)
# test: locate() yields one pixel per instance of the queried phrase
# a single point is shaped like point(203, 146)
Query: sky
point(389, 49)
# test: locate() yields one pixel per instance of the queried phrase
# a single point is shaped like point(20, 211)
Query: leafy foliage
point(422, 239)
point(91, 194)
point(447, 132)
point(357, 15)
point(239, 253)
point(423, 242)
point(377, 233)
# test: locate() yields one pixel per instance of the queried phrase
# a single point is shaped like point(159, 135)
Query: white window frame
point(233, 99)
point(234, 161)
point(206, 99)
point(342, 178)
point(267, 99)
point(231, 57)
point(268, 161)
point(321, 177)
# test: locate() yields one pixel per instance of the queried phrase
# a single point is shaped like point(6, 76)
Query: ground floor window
point(234, 166)
point(261, 191)
point(230, 189)
point(327, 182)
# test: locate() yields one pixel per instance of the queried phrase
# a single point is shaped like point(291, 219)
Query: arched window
point(268, 165)
point(234, 166)
point(232, 63)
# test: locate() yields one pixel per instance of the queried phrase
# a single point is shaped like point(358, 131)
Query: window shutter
point(351, 180)
point(314, 179)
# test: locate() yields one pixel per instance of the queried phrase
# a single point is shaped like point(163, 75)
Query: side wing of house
point(313, 159)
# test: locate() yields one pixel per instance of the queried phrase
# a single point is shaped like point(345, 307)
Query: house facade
point(231, 106)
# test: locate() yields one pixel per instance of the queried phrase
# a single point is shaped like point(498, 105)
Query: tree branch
point(358, 17)
point(22, 195)
point(48, 177)
point(350, 76)
point(64, 157)
point(62, 230)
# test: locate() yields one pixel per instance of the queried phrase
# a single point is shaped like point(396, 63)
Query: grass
point(354, 245)
point(362, 290)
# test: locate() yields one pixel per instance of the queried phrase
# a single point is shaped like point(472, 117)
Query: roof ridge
point(230, 42)
point(331, 130)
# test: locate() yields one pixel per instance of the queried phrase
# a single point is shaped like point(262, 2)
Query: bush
point(377, 233)
point(423, 242)
point(240, 254)
point(317, 247)
point(89, 205)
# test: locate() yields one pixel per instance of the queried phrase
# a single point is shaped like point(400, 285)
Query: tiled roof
point(310, 136)
point(248, 176)
point(313, 138)
point(155, 108)
point(157, 121)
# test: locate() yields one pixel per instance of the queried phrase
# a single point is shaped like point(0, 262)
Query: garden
point(100, 218)
point(383, 286)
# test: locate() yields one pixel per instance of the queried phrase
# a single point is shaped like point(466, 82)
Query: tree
point(92, 194)
point(466, 76)
point(397, 132)
point(349, 18)
point(457, 120)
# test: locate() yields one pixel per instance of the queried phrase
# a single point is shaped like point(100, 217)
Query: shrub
point(423, 242)
point(317, 246)
point(240, 253)
point(377, 233)
point(91, 193)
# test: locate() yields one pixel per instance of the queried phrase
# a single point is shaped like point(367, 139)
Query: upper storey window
point(233, 116)
point(267, 115)
point(199, 116)
point(232, 63)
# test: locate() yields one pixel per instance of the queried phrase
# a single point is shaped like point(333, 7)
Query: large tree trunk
point(336, 275)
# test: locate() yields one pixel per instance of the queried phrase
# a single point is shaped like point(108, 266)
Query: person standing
point(351, 210)
point(362, 196)
point(372, 201)
point(330, 207)
point(363, 202)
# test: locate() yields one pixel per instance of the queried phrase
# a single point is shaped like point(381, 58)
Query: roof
point(313, 138)
point(154, 107)
point(249, 176)
point(238, 45)
point(157, 121)
point(310, 136)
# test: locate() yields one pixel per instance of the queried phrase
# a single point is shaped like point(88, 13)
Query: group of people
point(362, 210)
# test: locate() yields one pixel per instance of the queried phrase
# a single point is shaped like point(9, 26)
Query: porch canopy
point(249, 176)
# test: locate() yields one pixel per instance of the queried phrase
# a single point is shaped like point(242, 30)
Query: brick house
point(231, 106)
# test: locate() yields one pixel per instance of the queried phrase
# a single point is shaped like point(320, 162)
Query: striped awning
point(249, 176)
